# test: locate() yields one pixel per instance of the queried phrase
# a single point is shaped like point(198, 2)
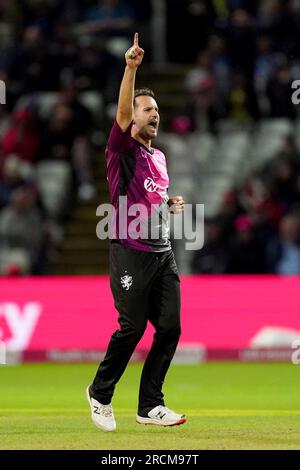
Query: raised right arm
point(133, 57)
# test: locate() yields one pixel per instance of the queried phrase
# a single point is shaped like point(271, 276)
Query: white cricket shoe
point(162, 416)
point(102, 415)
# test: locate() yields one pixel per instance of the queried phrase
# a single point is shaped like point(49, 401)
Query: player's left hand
point(176, 204)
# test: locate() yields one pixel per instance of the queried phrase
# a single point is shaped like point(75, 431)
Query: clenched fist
point(176, 204)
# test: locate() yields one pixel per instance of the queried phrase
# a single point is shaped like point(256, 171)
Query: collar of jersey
point(148, 150)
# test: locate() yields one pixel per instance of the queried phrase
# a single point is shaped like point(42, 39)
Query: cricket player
point(143, 273)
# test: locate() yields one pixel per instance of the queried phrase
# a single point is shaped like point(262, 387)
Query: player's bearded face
point(146, 117)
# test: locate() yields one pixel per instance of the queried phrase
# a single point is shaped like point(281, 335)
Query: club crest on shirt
point(150, 185)
point(126, 281)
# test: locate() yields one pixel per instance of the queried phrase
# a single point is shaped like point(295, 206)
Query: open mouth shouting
point(153, 125)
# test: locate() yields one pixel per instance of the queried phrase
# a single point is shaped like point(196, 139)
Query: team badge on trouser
point(126, 281)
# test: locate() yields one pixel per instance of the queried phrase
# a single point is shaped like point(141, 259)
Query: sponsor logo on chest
point(150, 185)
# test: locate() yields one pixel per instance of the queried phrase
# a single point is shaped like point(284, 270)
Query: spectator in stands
point(245, 255)
point(14, 262)
point(221, 70)
point(89, 68)
point(201, 91)
point(65, 53)
point(33, 66)
point(263, 205)
point(283, 183)
point(265, 65)
point(21, 225)
point(10, 13)
point(278, 19)
point(212, 258)
point(63, 140)
point(200, 73)
point(21, 137)
point(13, 177)
point(111, 22)
point(59, 134)
point(41, 14)
point(4, 113)
point(242, 104)
point(230, 209)
point(10, 27)
point(290, 152)
point(283, 253)
point(109, 18)
point(82, 120)
point(279, 93)
point(240, 32)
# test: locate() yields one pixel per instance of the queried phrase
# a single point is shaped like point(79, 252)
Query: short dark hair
point(143, 92)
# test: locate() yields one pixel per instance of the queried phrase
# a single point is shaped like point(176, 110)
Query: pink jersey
point(141, 175)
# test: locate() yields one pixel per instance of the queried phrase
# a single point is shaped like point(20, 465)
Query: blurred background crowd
point(223, 78)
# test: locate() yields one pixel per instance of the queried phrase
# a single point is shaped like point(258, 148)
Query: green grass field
point(229, 405)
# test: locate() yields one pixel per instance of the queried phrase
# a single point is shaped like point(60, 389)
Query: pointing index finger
point(136, 39)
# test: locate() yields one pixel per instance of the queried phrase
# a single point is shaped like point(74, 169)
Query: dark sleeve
point(119, 140)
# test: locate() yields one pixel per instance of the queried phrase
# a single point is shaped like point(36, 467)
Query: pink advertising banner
point(219, 314)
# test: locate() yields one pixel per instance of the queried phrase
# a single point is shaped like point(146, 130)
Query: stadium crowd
point(245, 73)
point(62, 62)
